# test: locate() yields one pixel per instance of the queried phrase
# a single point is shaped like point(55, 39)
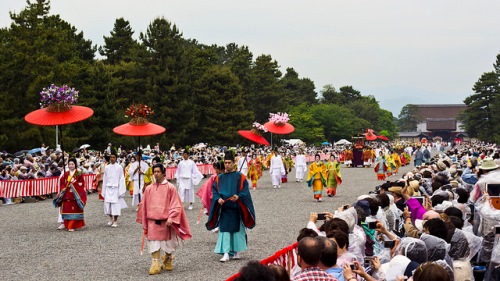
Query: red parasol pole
point(140, 159)
point(142, 243)
point(62, 151)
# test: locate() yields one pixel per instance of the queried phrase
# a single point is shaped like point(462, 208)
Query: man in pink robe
point(164, 220)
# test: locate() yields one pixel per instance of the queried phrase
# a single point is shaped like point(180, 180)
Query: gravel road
point(32, 248)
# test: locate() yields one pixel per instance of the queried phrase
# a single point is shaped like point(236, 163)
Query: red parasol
point(132, 130)
point(249, 134)
point(57, 115)
point(370, 135)
point(50, 117)
point(383, 138)
point(139, 126)
point(279, 128)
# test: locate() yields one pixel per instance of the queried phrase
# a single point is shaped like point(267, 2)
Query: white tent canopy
point(294, 141)
point(343, 142)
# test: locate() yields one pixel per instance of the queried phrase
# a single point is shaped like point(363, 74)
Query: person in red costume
point(72, 197)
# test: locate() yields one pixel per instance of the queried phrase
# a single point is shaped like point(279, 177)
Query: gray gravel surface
point(32, 249)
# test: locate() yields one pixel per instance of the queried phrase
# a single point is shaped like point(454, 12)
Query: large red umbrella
point(50, 116)
point(251, 135)
point(135, 130)
point(139, 127)
point(279, 128)
point(57, 115)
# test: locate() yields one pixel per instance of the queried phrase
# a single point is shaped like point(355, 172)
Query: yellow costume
point(397, 161)
point(254, 171)
point(128, 183)
point(148, 176)
point(317, 179)
point(390, 165)
point(334, 177)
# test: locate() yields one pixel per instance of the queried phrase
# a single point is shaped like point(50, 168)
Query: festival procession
point(160, 161)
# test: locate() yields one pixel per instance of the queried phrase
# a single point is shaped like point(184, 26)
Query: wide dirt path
point(32, 248)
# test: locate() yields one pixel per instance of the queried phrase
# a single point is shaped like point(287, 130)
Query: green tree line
point(200, 93)
point(481, 119)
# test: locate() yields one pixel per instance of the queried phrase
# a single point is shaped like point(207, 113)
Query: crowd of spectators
point(440, 221)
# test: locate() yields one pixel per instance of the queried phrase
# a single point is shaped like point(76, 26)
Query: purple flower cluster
point(58, 95)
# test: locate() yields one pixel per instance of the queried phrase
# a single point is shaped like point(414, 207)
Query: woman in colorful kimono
point(391, 167)
point(254, 170)
point(397, 161)
point(402, 159)
point(72, 197)
point(334, 178)
point(317, 177)
point(380, 166)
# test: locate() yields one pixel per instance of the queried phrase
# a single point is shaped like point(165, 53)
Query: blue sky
point(401, 52)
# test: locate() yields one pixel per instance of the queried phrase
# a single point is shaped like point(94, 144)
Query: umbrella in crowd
point(58, 109)
point(21, 153)
point(254, 134)
point(343, 142)
point(35, 151)
point(278, 124)
point(83, 146)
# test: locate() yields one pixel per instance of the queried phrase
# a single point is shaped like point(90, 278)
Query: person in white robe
point(243, 163)
point(113, 191)
point(136, 173)
point(276, 169)
point(187, 176)
point(300, 166)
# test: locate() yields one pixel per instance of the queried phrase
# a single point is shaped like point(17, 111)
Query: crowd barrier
point(36, 187)
point(44, 186)
point(286, 257)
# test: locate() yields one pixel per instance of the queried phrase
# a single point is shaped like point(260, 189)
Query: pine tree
point(38, 49)
point(266, 94)
point(225, 112)
point(120, 45)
